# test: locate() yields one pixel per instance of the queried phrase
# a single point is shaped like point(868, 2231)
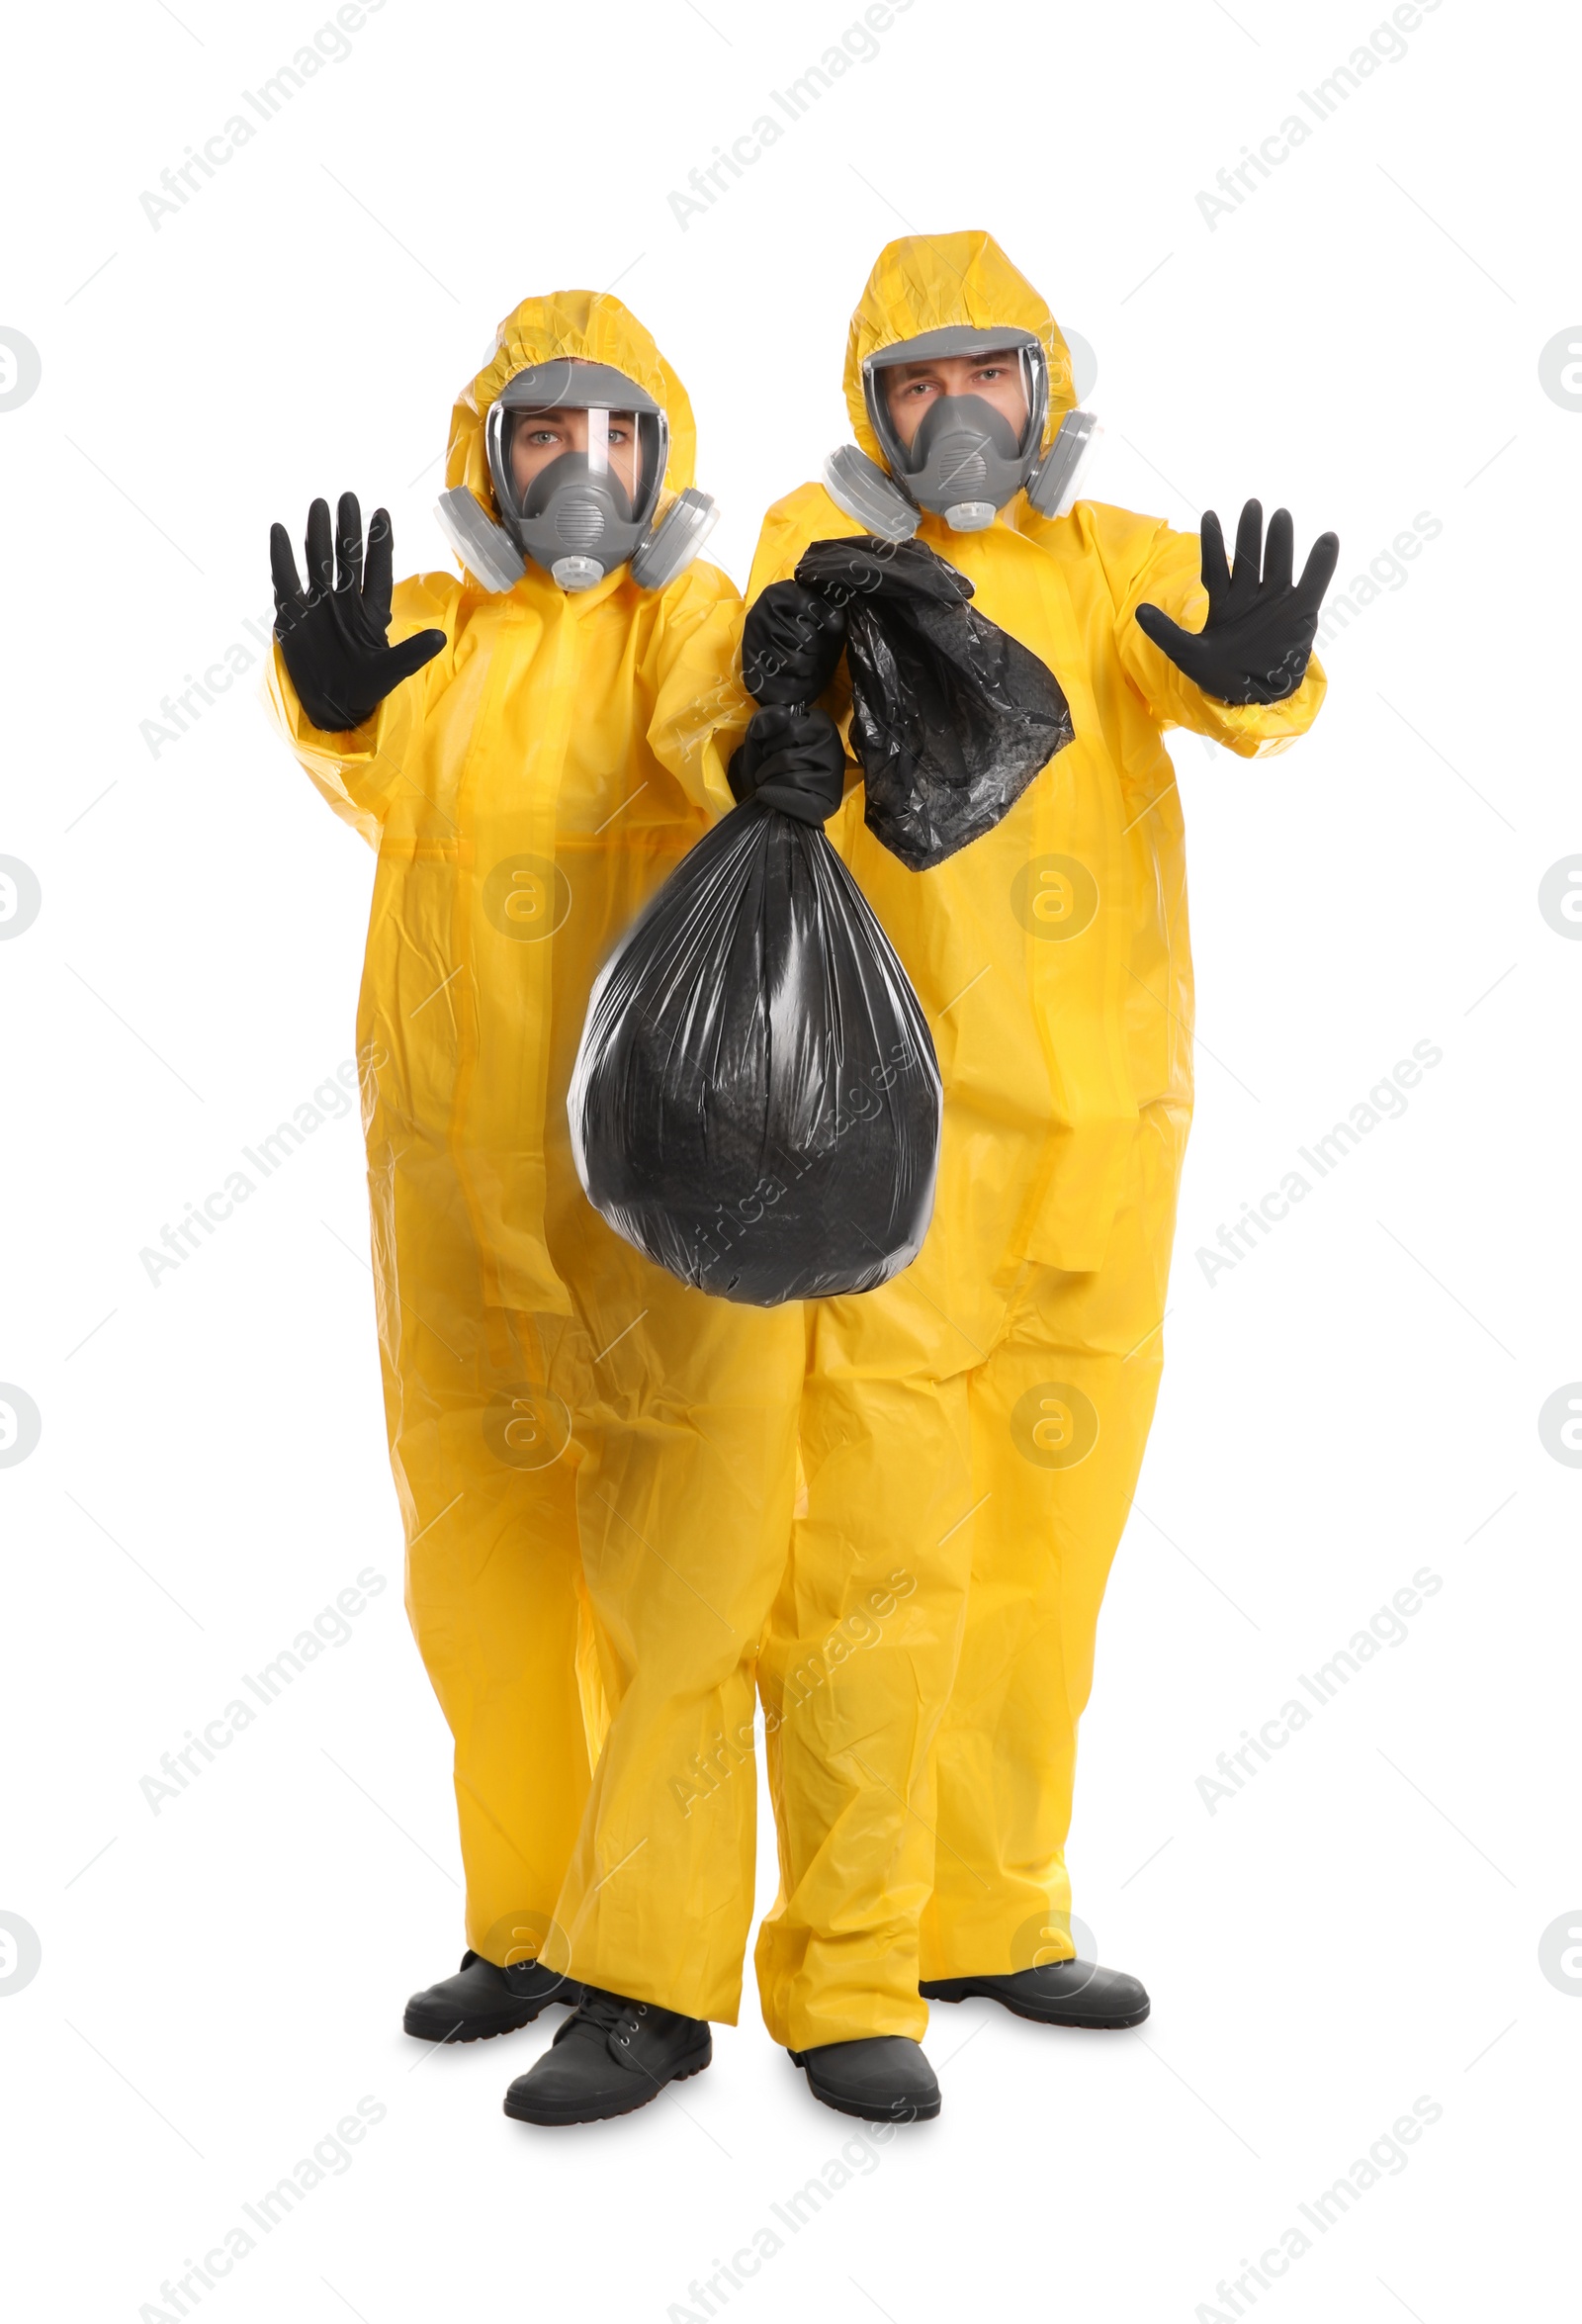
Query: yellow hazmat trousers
point(595, 1465)
point(972, 1432)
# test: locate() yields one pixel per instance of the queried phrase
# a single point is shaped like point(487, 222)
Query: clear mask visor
point(611, 450)
point(959, 416)
point(581, 425)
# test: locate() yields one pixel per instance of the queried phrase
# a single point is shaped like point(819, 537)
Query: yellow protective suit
point(595, 1465)
point(971, 1433)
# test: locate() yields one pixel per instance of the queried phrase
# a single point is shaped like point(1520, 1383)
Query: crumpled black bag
point(951, 717)
point(755, 1101)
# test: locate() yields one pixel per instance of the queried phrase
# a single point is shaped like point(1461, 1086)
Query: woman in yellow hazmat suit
point(971, 1433)
point(595, 1463)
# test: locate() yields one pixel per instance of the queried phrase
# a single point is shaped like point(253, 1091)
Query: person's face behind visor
point(538, 437)
point(913, 388)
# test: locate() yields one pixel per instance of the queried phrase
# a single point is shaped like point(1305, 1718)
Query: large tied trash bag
point(952, 718)
point(755, 1101)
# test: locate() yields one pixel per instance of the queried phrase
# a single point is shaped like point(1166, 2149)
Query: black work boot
point(885, 2079)
point(610, 2058)
point(482, 2000)
point(1061, 1993)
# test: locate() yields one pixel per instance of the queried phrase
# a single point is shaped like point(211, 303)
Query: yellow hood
point(927, 282)
point(586, 323)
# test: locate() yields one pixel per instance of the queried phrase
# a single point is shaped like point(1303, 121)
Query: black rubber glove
point(1255, 645)
point(791, 644)
point(332, 633)
point(794, 759)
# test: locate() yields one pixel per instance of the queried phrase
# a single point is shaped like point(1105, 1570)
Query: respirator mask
point(576, 456)
point(967, 460)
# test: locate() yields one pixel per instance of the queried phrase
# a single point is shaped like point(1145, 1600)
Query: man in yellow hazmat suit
point(595, 1463)
point(976, 1426)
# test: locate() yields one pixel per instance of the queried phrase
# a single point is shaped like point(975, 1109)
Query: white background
point(1357, 1927)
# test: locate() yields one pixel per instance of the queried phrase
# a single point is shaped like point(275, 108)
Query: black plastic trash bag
point(755, 1101)
point(951, 717)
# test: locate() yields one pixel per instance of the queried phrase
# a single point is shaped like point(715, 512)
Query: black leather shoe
point(612, 2057)
point(1061, 1993)
point(886, 2079)
point(482, 2000)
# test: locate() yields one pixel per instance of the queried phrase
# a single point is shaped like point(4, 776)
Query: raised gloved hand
point(791, 644)
point(332, 633)
point(793, 759)
point(1255, 645)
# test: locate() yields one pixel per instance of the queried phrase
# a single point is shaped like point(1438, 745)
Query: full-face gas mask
point(591, 504)
point(966, 461)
